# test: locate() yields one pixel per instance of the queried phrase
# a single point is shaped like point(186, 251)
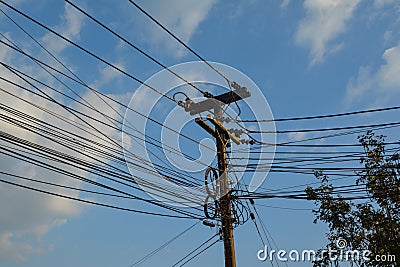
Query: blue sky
point(308, 58)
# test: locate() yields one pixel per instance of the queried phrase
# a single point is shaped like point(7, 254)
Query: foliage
point(371, 224)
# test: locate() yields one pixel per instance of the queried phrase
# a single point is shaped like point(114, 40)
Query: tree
point(372, 225)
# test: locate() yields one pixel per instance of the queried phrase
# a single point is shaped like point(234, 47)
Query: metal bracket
point(211, 131)
point(237, 94)
point(228, 135)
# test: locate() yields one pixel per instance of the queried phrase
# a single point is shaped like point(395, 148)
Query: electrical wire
point(194, 250)
point(328, 129)
point(154, 252)
point(91, 202)
point(86, 50)
point(283, 208)
point(179, 40)
point(111, 99)
point(326, 116)
point(26, 150)
point(198, 253)
point(66, 173)
point(205, 94)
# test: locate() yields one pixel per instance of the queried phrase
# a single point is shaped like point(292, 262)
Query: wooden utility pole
point(225, 201)
point(223, 138)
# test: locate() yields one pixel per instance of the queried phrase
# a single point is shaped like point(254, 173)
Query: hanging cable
point(194, 250)
point(179, 40)
point(326, 116)
point(204, 93)
point(86, 51)
point(92, 202)
point(154, 252)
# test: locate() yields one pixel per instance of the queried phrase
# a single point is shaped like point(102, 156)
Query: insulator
point(208, 223)
point(208, 95)
point(188, 103)
point(227, 120)
point(252, 216)
point(180, 103)
point(235, 85)
point(251, 201)
point(238, 132)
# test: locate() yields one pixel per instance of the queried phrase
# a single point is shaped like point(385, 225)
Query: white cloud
point(180, 17)
point(11, 250)
point(381, 3)
point(387, 36)
point(324, 22)
point(285, 4)
point(383, 82)
point(27, 216)
point(107, 75)
point(389, 73)
point(70, 27)
point(32, 213)
point(296, 136)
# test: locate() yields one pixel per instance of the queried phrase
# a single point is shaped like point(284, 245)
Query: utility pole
point(225, 201)
point(223, 138)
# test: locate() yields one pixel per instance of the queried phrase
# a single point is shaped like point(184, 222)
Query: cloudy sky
point(308, 57)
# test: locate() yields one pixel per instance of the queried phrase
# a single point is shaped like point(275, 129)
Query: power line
point(336, 135)
point(110, 98)
point(91, 202)
point(198, 253)
point(45, 110)
point(54, 57)
point(161, 145)
point(205, 94)
point(174, 194)
point(13, 120)
point(64, 172)
point(19, 50)
point(283, 208)
point(125, 180)
point(59, 62)
point(179, 40)
point(327, 129)
point(194, 250)
point(52, 100)
point(87, 51)
point(154, 252)
point(309, 145)
point(124, 196)
point(110, 153)
point(325, 116)
point(303, 196)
